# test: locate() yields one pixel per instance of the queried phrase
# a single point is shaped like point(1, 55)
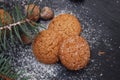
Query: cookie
point(32, 11)
point(5, 17)
point(46, 45)
point(74, 53)
point(66, 25)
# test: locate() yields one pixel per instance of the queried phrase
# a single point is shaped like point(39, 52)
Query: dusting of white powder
point(24, 59)
point(39, 71)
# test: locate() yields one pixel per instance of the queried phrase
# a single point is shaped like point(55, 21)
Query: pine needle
point(1, 41)
point(4, 42)
point(20, 24)
point(11, 37)
point(17, 33)
point(6, 69)
point(33, 27)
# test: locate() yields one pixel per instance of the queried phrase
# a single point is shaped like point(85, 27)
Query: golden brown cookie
point(26, 39)
point(46, 45)
point(74, 53)
point(66, 25)
point(5, 17)
point(32, 11)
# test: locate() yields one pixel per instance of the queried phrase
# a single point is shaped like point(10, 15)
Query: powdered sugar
point(23, 57)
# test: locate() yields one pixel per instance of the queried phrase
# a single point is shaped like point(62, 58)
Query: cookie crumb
point(100, 53)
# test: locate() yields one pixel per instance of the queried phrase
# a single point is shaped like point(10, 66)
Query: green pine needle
point(11, 37)
point(7, 70)
point(20, 24)
point(24, 29)
point(17, 33)
point(34, 28)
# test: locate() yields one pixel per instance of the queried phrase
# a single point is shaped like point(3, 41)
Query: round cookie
point(5, 17)
point(66, 25)
point(45, 46)
point(32, 11)
point(74, 53)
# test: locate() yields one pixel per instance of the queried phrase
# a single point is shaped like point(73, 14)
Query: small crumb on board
point(100, 53)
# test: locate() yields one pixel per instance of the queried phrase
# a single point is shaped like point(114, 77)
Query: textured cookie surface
point(74, 53)
point(45, 46)
point(5, 17)
point(66, 25)
point(33, 12)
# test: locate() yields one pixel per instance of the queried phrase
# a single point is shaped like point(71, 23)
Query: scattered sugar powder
point(24, 59)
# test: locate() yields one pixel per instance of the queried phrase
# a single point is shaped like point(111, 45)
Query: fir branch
point(20, 23)
point(14, 24)
point(6, 70)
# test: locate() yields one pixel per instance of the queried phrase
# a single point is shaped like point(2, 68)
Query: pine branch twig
point(14, 24)
point(18, 22)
